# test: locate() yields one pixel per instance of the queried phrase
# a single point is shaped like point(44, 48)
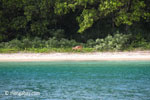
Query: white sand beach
point(97, 56)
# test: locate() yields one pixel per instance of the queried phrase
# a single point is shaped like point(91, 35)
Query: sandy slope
point(139, 55)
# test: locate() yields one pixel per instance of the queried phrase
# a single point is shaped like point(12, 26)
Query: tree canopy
point(63, 18)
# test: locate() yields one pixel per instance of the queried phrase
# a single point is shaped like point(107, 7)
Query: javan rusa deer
point(79, 47)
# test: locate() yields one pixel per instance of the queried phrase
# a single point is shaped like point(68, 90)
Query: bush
point(138, 41)
point(26, 43)
point(73, 43)
point(64, 43)
point(38, 43)
point(90, 43)
point(14, 44)
point(2, 44)
point(112, 43)
point(58, 33)
point(52, 43)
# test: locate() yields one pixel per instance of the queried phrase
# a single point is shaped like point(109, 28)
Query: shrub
point(64, 43)
point(90, 43)
point(138, 41)
point(52, 42)
point(38, 43)
point(112, 43)
point(58, 33)
point(73, 43)
point(2, 44)
point(26, 43)
point(13, 44)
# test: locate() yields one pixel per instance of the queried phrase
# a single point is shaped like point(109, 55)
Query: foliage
point(138, 41)
point(90, 43)
point(26, 43)
point(115, 42)
point(59, 33)
point(124, 11)
point(86, 19)
point(53, 18)
point(112, 43)
point(52, 42)
point(39, 43)
point(14, 44)
point(55, 23)
point(67, 43)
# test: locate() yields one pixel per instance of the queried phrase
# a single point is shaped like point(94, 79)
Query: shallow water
point(92, 80)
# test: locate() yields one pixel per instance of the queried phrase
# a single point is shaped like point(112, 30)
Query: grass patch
point(12, 50)
point(46, 50)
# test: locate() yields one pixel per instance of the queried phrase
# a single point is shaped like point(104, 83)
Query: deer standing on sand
point(79, 47)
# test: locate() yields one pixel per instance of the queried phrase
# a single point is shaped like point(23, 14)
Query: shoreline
point(97, 56)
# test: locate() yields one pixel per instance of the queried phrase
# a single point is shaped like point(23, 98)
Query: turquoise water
point(92, 80)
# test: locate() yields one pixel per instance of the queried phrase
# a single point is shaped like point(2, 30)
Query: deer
point(79, 47)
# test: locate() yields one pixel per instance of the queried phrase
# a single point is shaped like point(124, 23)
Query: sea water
point(74, 80)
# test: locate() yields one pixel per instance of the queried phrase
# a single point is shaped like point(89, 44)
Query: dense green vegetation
point(58, 25)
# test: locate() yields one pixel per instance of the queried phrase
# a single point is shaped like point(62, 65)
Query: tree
point(124, 11)
point(64, 18)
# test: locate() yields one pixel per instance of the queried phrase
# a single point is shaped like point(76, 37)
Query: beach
point(96, 56)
